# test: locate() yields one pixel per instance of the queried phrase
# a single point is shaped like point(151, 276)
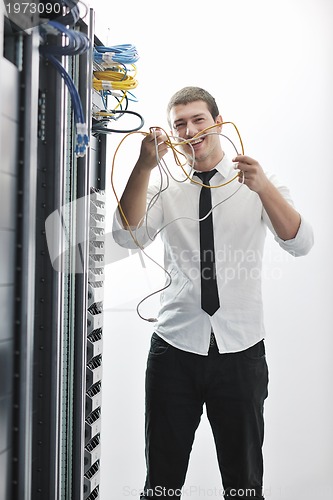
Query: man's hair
point(191, 94)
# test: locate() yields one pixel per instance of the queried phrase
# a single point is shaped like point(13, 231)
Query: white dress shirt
point(239, 233)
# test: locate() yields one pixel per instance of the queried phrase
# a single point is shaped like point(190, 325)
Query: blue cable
point(132, 98)
point(82, 137)
point(125, 53)
point(78, 42)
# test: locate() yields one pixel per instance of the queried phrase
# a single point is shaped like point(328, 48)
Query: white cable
point(152, 203)
point(156, 196)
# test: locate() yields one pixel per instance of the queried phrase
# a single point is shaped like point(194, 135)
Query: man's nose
point(190, 131)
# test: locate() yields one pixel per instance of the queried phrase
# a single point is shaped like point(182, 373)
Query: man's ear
point(219, 119)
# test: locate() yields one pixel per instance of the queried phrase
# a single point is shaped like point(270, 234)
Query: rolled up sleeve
point(143, 235)
point(302, 243)
point(134, 238)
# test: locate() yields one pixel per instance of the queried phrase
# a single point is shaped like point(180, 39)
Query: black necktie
point(209, 293)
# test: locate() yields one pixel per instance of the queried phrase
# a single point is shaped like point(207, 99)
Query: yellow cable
point(126, 84)
point(176, 154)
point(110, 113)
point(198, 135)
point(114, 190)
point(119, 103)
point(115, 79)
point(173, 145)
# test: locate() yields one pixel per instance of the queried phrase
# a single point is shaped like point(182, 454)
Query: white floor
point(298, 444)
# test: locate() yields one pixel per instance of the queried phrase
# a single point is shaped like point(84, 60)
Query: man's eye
point(179, 126)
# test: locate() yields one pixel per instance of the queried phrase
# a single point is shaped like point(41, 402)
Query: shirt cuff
point(302, 243)
point(136, 238)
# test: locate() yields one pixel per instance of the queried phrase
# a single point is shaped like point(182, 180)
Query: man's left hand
point(254, 176)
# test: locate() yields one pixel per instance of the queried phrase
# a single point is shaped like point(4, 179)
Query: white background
point(269, 65)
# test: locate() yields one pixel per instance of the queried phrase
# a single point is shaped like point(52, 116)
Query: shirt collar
point(224, 167)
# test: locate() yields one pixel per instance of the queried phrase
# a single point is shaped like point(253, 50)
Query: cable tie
point(106, 85)
point(117, 94)
point(81, 129)
point(108, 57)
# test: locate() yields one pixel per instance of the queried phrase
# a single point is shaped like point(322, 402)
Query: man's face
point(189, 119)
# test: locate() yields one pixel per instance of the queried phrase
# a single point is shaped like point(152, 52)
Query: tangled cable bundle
point(181, 160)
point(115, 76)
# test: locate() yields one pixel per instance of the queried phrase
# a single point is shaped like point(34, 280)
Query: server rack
point(18, 155)
point(52, 276)
point(9, 179)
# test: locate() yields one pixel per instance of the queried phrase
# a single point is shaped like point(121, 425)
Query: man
point(208, 345)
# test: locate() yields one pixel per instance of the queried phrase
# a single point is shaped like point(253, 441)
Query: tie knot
point(206, 176)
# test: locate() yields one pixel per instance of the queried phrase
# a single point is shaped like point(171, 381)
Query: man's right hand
point(133, 200)
point(148, 153)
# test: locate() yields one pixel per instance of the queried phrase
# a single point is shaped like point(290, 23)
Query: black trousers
point(233, 387)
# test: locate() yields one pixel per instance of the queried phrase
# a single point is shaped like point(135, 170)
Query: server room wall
point(272, 67)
